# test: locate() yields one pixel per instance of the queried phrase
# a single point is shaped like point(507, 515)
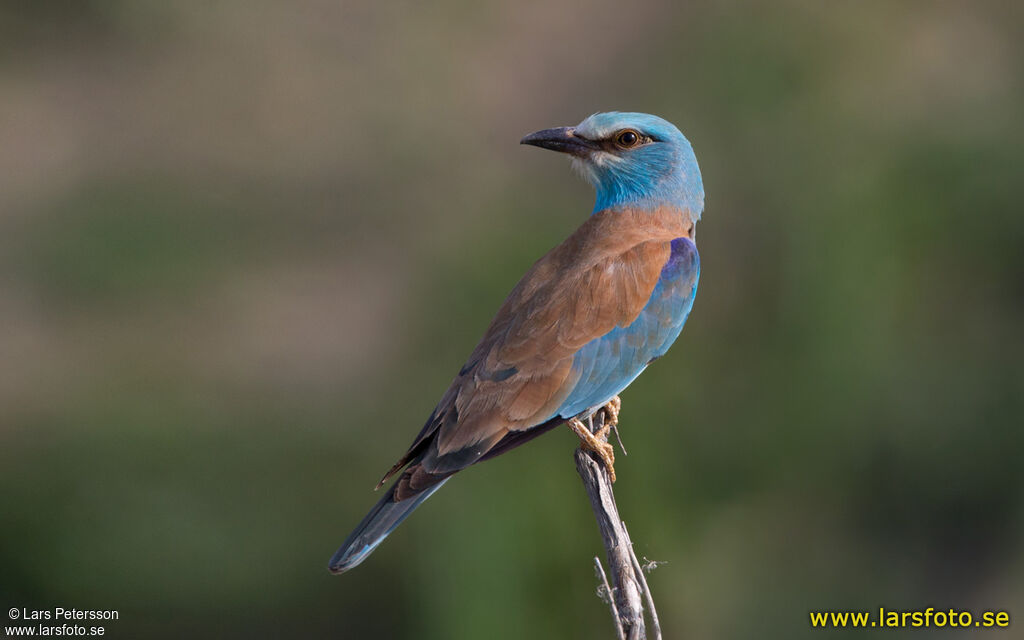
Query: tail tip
point(338, 567)
point(344, 559)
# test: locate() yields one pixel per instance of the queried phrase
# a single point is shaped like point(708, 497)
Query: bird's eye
point(628, 138)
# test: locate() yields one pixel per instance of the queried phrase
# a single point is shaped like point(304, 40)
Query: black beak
point(562, 139)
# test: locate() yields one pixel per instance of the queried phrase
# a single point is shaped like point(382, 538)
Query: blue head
point(633, 159)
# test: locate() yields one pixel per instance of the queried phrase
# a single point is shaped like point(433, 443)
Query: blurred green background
point(244, 247)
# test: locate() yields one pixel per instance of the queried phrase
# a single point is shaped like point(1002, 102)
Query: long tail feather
point(381, 521)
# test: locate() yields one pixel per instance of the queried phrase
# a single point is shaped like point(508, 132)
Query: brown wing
point(521, 371)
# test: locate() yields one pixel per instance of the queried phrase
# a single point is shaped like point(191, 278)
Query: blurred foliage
point(245, 246)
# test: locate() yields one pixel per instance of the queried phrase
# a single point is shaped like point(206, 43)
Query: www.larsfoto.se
point(930, 617)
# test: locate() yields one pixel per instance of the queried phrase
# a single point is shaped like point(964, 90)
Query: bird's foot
point(594, 442)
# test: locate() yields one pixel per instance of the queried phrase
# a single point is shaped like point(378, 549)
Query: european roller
point(580, 326)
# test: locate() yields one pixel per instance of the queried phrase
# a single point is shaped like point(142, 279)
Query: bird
point(586, 319)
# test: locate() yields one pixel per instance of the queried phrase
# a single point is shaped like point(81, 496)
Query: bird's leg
point(611, 415)
point(593, 442)
point(611, 419)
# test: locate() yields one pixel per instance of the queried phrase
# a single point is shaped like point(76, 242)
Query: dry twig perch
point(629, 587)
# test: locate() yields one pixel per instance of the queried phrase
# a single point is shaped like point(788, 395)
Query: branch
point(604, 591)
point(630, 586)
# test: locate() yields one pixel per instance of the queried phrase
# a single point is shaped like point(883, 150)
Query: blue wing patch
point(608, 364)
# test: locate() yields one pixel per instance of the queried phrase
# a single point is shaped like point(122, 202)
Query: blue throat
point(628, 185)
